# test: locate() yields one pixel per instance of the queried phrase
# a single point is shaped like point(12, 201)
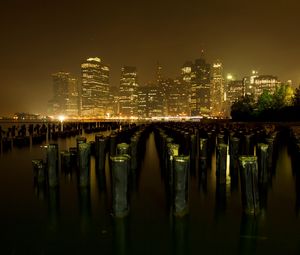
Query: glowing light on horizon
point(61, 118)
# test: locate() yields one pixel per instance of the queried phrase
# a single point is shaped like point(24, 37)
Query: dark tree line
point(282, 105)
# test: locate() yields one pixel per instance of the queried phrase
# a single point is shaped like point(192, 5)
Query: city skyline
point(43, 38)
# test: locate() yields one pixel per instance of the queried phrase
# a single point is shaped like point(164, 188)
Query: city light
point(61, 118)
point(229, 77)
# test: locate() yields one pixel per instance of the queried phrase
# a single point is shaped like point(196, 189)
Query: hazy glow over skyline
point(43, 37)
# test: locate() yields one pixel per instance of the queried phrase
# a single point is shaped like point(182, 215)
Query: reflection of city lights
point(61, 118)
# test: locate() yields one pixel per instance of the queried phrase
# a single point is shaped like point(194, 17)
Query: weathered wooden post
point(84, 155)
point(234, 151)
point(112, 144)
point(101, 142)
point(249, 184)
point(52, 163)
point(203, 157)
point(262, 157)
point(120, 204)
point(221, 163)
point(39, 171)
point(181, 186)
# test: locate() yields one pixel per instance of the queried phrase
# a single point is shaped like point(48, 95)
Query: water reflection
point(120, 236)
point(219, 221)
point(180, 230)
point(54, 208)
point(85, 210)
point(220, 198)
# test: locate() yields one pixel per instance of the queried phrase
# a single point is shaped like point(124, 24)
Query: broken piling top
point(37, 163)
point(263, 147)
point(123, 148)
point(248, 160)
point(173, 150)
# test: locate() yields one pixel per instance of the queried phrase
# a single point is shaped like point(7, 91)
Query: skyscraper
point(95, 87)
point(217, 89)
point(128, 91)
point(65, 95)
point(72, 104)
point(200, 87)
point(186, 77)
point(177, 98)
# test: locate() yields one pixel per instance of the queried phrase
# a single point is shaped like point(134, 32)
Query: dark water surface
point(68, 220)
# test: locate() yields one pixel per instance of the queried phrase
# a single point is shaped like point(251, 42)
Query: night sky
point(40, 37)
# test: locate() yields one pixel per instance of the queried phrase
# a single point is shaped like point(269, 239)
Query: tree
point(264, 102)
point(280, 97)
point(243, 108)
point(296, 98)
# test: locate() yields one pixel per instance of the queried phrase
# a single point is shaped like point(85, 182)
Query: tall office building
point(142, 102)
point(128, 92)
point(217, 89)
point(65, 99)
point(186, 77)
point(95, 87)
point(200, 87)
point(72, 104)
point(249, 86)
point(235, 90)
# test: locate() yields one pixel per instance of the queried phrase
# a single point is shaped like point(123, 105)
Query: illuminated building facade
point(235, 90)
point(95, 87)
point(255, 84)
point(200, 87)
point(113, 98)
point(65, 99)
point(249, 85)
point(142, 102)
point(128, 92)
point(150, 101)
point(177, 98)
point(186, 77)
point(265, 82)
point(217, 89)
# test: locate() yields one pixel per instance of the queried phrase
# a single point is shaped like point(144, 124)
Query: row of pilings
point(24, 135)
point(294, 151)
point(245, 155)
point(124, 148)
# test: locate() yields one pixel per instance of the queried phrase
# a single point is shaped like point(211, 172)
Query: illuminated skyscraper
point(95, 87)
point(178, 99)
point(235, 90)
point(128, 91)
point(200, 87)
point(158, 73)
point(72, 105)
point(186, 77)
point(249, 83)
point(217, 88)
point(65, 95)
